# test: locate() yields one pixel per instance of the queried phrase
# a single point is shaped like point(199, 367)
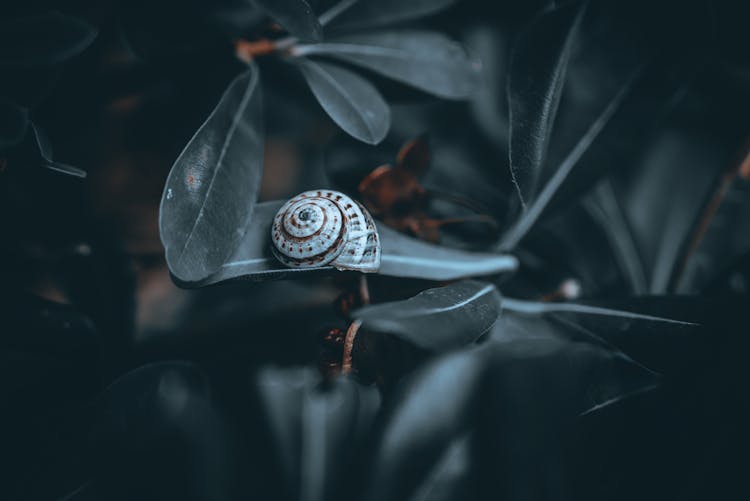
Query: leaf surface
point(296, 16)
point(371, 13)
point(351, 101)
point(426, 60)
point(211, 190)
point(437, 319)
point(402, 256)
point(538, 66)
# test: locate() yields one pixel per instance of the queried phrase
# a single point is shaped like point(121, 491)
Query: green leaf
point(45, 151)
point(316, 428)
point(296, 16)
point(402, 256)
point(211, 190)
point(539, 62)
point(426, 60)
point(350, 100)
point(370, 13)
point(436, 319)
point(523, 224)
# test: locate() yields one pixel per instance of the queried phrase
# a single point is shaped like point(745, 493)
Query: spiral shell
point(325, 228)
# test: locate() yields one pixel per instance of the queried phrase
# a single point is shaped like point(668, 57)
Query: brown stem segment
point(247, 51)
point(351, 335)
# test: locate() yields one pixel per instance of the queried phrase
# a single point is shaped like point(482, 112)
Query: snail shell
point(325, 228)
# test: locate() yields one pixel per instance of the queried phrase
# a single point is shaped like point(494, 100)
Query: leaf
point(317, 429)
point(211, 190)
point(436, 319)
point(449, 478)
point(350, 100)
point(434, 407)
point(402, 256)
point(539, 382)
point(671, 335)
point(42, 39)
point(14, 120)
point(296, 16)
point(410, 258)
point(160, 418)
point(489, 105)
point(370, 13)
point(426, 60)
point(522, 226)
point(606, 210)
point(535, 307)
point(537, 73)
point(45, 151)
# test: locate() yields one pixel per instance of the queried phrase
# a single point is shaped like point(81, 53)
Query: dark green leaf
point(426, 60)
point(535, 307)
point(296, 16)
point(14, 120)
point(605, 208)
point(450, 476)
point(432, 409)
point(317, 429)
point(160, 418)
point(42, 39)
point(670, 335)
point(370, 13)
point(489, 104)
point(45, 151)
point(436, 319)
point(537, 73)
point(522, 226)
point(350, 100)
point(694, 146)
point(407, 257)
point(538, 382)
point(402, 256)
point(211, 190)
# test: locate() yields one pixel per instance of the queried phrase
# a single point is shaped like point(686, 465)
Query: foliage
point(560, 190)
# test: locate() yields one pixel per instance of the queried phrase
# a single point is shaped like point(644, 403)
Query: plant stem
point(247, 51)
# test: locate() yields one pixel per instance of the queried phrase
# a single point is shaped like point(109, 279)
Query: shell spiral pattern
point(325, 228)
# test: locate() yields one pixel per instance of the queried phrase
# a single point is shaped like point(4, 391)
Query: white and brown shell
point(325, 228)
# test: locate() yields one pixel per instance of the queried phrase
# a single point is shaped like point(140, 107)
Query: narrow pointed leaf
point(296, 16)
point(370, 13)
point(605, 208)
point(671, 335)
point(211, 190)
point(45, 151)
point(402, 256)
point(350, 100)
point(537, 73)
point(524, 223)
point(437, 319)
point(536, 307)
point(42, 39)
point(426, 60)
